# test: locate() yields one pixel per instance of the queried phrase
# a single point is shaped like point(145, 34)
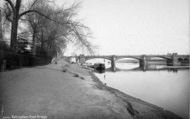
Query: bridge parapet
point(94, 57)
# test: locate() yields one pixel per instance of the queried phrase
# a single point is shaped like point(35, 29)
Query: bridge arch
point(106, 61)
point(183, 60)
point(91, 58)
point(186, 59)
point(127, 57)
point(160, 57)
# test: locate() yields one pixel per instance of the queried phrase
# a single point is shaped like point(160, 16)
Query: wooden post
point(3, 66)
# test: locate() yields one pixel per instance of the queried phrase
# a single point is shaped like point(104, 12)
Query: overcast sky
point(137, 26)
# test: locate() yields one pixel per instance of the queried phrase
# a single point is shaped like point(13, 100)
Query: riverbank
point(138, 108)
point(68, 91)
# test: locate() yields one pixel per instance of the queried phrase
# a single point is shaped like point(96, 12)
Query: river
point(165, 88)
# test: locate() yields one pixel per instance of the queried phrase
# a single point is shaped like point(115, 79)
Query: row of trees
point(50, 27)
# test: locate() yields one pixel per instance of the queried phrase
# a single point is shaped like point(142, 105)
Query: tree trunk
point(14, 28)
point(1, 32)
point(34, 43)
point(42, 40)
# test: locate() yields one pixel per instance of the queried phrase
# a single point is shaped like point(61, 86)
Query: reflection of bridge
point(166, 68)
point(171, 59)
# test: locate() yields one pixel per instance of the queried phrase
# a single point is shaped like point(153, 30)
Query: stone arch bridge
point(171, 59)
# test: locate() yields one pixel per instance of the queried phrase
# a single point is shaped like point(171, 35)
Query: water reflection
point(148, 68)
point(161, 85)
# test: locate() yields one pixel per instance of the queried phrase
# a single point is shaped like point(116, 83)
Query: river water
point(164, 88)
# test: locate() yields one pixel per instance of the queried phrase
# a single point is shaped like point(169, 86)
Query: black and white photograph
point(94, 59)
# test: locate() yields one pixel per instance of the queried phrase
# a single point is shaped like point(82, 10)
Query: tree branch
point(11, 4)
point(7, 13)
point(34, 2)
point(28, 11)
point(41, 14)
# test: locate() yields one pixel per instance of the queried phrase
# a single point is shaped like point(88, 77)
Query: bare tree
point(14, 12)
point(57, 28)
point(52, 27)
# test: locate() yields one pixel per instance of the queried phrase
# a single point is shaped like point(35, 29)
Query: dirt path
point(66, 91)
